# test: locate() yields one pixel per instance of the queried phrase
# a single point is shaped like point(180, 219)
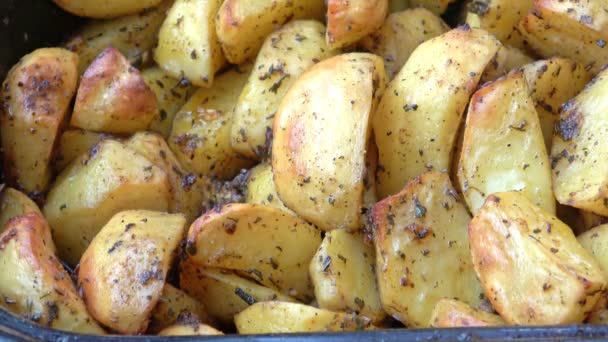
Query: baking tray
point(29, 24)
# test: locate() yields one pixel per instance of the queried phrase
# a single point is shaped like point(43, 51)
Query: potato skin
point(190, 330)
point(349, 21)
point(15, 203)
point(173, 305)
point(104, 9)
point(33, 282)
point(122, 273)
point(35, 99)
point(532, 268)
point(450, 313)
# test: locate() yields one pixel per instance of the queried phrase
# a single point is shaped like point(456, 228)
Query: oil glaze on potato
point(123, 272)
point(105, 8)
point(33, 282)
point(35, 98)
point(450, 313)
point(268, 244)
point(349, 21)
point(532, 268)
point(416, 122)
point(422, 250)
point(331, 102)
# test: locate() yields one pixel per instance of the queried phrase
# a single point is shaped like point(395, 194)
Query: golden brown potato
point(105, 8)
point(503, 147)
point(268, 244)
point(73, 143)
point(113, 97)
point(35, 99)
point(122, 273)
point(236, 293)
point(15, 203)
point(171, 94)
point(190, 329)
point(436, 6)
point(285, 55)
point(532, 269)
point(349, 21)
point(595, 241)
point(552, 82)
point(34, 284)
point(450, 313)
point(109, 179)
point(331, 102)
point(579, 154)
point(507, 59)
point(283, 317)
point(243, 25)
point(500, 18)
point(422, 250)
point(200, 137)
point(342, 272)
point(261, 188)
point(172, 306)
point(569, 28)
point(417, 120)
point(188, 47)
point(401, 34)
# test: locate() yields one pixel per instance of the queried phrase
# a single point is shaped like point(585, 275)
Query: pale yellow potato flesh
point(261, 188)
point(595, 241)
point(507, 58)
point(451, 313)
point(73, 143)
point(436, 6)
point(190, 330)
point(173, 305)
point(15, 203)
point(102, 9)
point(500, 18)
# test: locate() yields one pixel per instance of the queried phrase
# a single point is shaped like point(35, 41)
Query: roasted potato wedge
point(227, 239)
point(243, 25)
point(34, 284)
point(190, 329)
point(35, 98)
point(15, 203)
point(172, 306)
point(503, 147)
point(436, 6)
point(188, 47)
point(73, 143)
point(349, 21)
point(417, 120)
point(200, 137)
point(344, 277)
point(321, 182)
point(105, 8)
point(500, 18)
point(284, 317)
point(400, 35)
point(285, 55)
point(450, 313)
point(113, 97)
point(595, 241)
point(109, 179)
point(422, 250)
point(579, 154)
point(122, 273)
point(171, 94)
point(507, 59)
point(261, 188)
point(237, 293)
point(532, 269)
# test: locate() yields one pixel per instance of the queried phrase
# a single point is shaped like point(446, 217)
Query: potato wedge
point(105, 8)
point(418, 118)
point(243, 25)
point(349, 21)
point(422, 250)
point(344, 277)
point(227, 239)
point(579, 154)
point(283, 317)
point(171, 94)
point(122, 273)
point(15, 203)
point(595, 241)
point(552, 82)
point(190, 329)
point(507, 59)
point(172, 306)
point(503, 147)
point(34, 284)
point(401, 34)
point(200, 137)
point(109, 179)
point(450, 313)
point(113, 97)
point(236, 293)
point(35, 98)
point(500, 18)
point(73, 143)
point(436, 6)
point(532, 269)
point(285, 55)
point(397, 5)
point(261, 188)
point(332, 101)
point(188, 47)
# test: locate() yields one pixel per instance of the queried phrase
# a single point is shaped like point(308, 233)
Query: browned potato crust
point(450, 313)
point(15, 203)
point(349, 21)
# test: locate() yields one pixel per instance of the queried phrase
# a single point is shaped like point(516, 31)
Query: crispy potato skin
point(450, 313)
point(122, 273)
point(34, 284)
point(103, 9)
point(227, 239)
point(190, 330)
point(332, 101)
point(15, 203)
point(35, 99)
point(350, 20)
point(422, 251)
point(113, 97)
point(532, 268)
